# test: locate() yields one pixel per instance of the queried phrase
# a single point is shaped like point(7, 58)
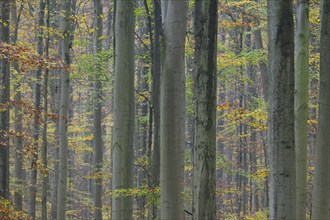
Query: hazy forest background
point(164, 109)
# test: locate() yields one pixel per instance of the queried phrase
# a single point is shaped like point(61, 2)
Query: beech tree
point(37, 115)
point(281, 110)
point(204, 187)
point(4, 101)
point(44, 150)
point(301, 103)
point(64, 109)
point(15, 14)
point(98, 146)
point(188, 137)
point(172, 111)
point(123, 127)
point(156, 99)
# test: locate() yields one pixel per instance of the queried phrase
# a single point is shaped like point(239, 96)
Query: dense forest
point(164, 109)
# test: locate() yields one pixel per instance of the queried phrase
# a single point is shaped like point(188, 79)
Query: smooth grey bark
point(4, 100)
point(64, 109)
point(123, 133)
point(156, 101)
point(55, 97)
point(204, 181)
point(172, 108)
point(37, 115)
point(18, 118)
point(44, 150)
point(98, 142)
point(320, 204)
point(301, 103)
point(281, 110)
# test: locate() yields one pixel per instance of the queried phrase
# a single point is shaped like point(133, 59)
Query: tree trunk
point(142, 107)
point(4, 100)
point(252, 96)
point(156, 100)
point(301, 104)
point(98, 143)
point(64, 108)
point(262, 66)
point(55, 96)
point(281, 110)
point(204, 187)
point(44, 150)
point(123, 108)
point(320, 209)
point(37, 115)
point(172, 107)
point(18, 118)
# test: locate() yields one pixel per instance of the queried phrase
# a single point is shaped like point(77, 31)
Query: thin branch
point(139, 38)
point(145, 97)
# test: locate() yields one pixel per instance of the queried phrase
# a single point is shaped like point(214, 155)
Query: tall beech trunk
point(262, 66)
point(172, 99)
point(64, 109)
point(98, 144)
point(123, 130)
point(4, 101)
point(251, 100)
point(281, 110)
point(44, 150)
point(204, 187)
point(55, 98)
point(18, 118)
point(37, 115)
point(321, 201)
point(301, 103)
point(156, 100)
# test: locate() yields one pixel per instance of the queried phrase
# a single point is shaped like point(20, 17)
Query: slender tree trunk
point(265, 195)
point(172, 101)
point(320, 209)
point(204, 187)
point(18, 142)
point(252, 96)
point(301, 104)
point(55, 96)
point(98, 143)
point(142, 107)
point(18, 118)
point(281, 110)
point(64, 108)
point(262, 66)
point(44, 150)
point(156, 100)
point(37, 116)
point(123, 108)
point(4, 101)
point(265, 91)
